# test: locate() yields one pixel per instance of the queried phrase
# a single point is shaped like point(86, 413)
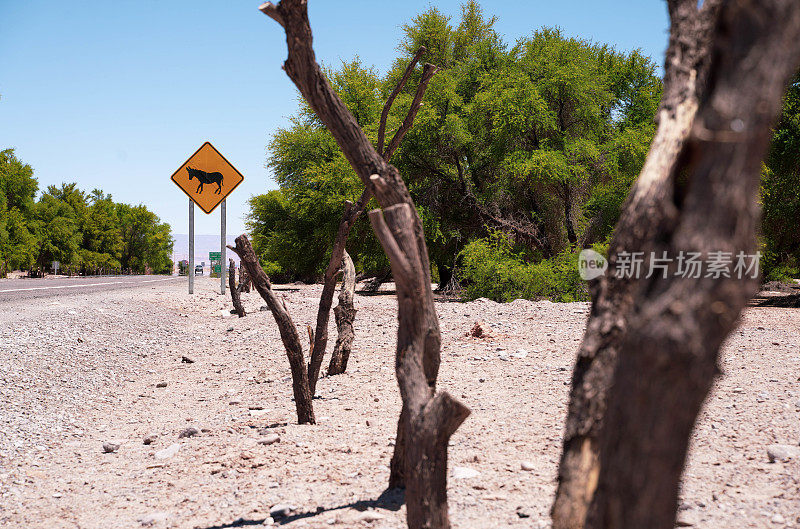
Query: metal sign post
point(222, 268)
point(191, 246)
point(207, 178)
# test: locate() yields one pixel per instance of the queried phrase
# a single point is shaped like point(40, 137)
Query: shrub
point(494, 269)
point(776, 267)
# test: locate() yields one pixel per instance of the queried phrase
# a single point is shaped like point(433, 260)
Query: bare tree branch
point(428, 71)
point(289, 335)
point(351, 213)
point(390, 100)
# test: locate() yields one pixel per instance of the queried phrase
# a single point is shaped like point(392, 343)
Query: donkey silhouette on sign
point(206, 178)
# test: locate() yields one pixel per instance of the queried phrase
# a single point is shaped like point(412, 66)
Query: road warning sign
point(207, 177)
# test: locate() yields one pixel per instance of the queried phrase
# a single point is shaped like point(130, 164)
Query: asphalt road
point(48, 287)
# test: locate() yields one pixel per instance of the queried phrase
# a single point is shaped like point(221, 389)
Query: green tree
point(780, 194)
point(18, 189)
point(541, 140)
point(146, 241)
point(58, 234)
point(85, 232)
point(102, 234)
point(538, 140)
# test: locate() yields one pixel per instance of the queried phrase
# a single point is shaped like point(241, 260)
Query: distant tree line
point(521, 156)
point(85, 232)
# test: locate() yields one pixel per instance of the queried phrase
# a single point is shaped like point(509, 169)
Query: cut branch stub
point(345, 314)
point(288, 331)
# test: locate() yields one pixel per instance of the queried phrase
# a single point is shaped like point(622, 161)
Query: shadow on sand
point(390, 499)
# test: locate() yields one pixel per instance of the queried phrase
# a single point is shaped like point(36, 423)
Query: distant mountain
point(202, 245)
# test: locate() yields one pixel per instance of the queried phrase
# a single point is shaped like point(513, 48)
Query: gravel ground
point(81, 371)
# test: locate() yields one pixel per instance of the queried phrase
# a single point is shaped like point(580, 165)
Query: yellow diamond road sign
point(207, 177)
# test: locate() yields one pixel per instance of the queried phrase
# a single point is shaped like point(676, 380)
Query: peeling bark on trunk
point(345, 314)
point(244, 280)
point(289, 334)
point(432, 417)
point(649, 353)
point(237, 301)
point(613, 296)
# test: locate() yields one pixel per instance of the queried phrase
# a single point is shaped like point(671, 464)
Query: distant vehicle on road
point(198, 270)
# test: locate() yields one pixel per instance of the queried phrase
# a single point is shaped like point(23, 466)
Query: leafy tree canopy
point(540, 139)
point(780, 193)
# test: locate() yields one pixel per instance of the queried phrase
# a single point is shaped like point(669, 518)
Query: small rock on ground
point(370, 516)
point(168, 452)
point(153, 518)
point(188, 432)
point(269, 439)
point(281, 510)
point(782, 453)
point(464, 473)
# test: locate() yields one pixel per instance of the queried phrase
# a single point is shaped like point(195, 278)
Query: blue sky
point(116, 94)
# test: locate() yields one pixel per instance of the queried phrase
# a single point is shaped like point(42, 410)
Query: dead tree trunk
point(431, 418)
point(649, 353)
point(428, 420)
point(244, 280)
point(352, 211)
point(237, 300)
point(345, 314)
point(685, 68)
point(289, 334)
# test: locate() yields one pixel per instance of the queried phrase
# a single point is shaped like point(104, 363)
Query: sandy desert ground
point(79, 371)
